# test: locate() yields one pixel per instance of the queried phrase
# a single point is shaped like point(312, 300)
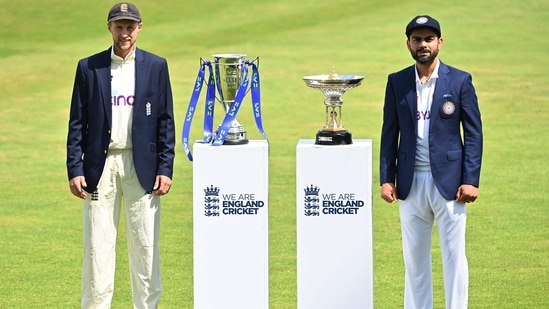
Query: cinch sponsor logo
point(316, 203)
point(123, 100)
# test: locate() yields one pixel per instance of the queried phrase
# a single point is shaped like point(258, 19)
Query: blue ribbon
point(256, 99)
point(192, 108)
point(218, 138)
point(210, 107)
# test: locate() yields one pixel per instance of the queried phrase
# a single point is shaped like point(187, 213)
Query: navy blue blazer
point(455, 159)
point(153, 131)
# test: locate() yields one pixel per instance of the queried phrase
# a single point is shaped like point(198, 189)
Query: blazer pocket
point(454, 155)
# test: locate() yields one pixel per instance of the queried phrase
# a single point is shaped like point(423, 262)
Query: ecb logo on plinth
point(311, 201)
point(316, 203)
point(228, 82)
point(217, 203)
point(211, 201)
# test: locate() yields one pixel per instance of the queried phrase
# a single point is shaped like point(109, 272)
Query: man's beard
point(425, 60)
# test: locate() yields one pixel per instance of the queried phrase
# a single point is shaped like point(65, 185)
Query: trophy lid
point(333, 79)
point(237, 56)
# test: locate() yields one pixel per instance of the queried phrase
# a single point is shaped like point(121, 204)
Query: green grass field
point(503, 44)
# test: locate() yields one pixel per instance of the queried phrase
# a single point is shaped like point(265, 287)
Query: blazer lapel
point(411, 96)
point(140, 76)
point(104, 76)
point(440, 89)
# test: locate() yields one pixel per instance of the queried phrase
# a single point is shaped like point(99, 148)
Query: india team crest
point(422, 20)
point(448, 109)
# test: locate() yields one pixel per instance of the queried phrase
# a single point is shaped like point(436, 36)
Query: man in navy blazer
point(430, 160)
point(120, 148)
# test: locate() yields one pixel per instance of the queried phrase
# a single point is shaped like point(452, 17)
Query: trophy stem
point(334, 121)
point(340, 117)
point(327, 115)
point(333, 132)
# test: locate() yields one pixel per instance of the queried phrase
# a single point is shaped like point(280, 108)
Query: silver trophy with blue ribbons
point(229, 78)
point(333, 86)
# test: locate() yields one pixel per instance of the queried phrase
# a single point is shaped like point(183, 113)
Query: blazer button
point(105, 151)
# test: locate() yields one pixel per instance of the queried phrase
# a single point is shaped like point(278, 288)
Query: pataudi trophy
point(229, 75)
point(333, 86)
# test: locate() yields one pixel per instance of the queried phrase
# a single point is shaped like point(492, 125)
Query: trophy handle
point(255, 60)
point(251, 62)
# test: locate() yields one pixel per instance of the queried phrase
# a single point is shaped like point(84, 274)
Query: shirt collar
point(433, 75)
point(117, 59)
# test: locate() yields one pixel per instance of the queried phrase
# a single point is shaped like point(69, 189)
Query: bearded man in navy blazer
point(120, 149)
point(430, 159)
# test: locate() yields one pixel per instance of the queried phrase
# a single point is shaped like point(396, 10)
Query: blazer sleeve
point(389, 136)
point(166, 127)
point(472, 134)
point(77, 122)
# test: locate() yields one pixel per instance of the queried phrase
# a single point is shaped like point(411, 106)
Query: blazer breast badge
point(448, 107)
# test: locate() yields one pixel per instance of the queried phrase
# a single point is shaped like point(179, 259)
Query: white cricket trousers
point(101, 213)
point(423, 205)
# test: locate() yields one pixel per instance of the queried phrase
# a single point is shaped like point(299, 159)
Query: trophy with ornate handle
point(333, 86)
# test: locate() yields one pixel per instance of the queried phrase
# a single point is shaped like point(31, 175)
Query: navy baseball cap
point(423, 21)
point(124, 10)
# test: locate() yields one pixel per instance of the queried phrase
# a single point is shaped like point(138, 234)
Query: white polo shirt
point(122, 100)
point(424, 94)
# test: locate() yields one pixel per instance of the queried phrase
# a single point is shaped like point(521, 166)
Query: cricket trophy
point(333, 86)
point(228, 82)
point(229, 77)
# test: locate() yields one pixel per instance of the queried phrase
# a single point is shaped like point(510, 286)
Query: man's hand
point(467, 194)
point(388, 192)
point(162, 185)
point(77, 185)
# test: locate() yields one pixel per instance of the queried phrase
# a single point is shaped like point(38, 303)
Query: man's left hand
point(162, 185)
point(467, 193)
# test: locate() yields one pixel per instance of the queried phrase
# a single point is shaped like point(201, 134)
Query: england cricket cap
point(423, 21)
point(124, 10)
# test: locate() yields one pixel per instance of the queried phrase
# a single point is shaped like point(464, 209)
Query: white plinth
point(334, 225)
point(230, 213)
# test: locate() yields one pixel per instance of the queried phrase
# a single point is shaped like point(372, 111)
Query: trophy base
point(333, 138)
point(236, 138)
point(236, 135)
point(236, 142)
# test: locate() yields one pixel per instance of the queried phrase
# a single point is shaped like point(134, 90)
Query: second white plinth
point(334, 225)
